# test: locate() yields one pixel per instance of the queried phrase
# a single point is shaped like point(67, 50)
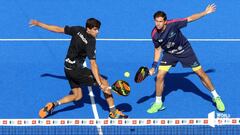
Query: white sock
point(214, 93)
point(158, 99)
point(59, 103)
point(112, 108)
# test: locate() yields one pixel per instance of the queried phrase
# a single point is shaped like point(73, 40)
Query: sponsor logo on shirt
point(163, 62)
point(172, 34)
point(180, 52)
point(170, 44)
point(179, 48)
point(70, 61)
point(160, 40)
point(94, 53)
point(195, 64)
point(82, 37)
point(172, 51)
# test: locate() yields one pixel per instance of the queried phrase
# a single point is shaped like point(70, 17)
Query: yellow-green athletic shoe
point(219, 104)
point(156, 107)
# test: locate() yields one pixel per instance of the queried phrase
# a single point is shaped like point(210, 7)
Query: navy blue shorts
point(187, 59)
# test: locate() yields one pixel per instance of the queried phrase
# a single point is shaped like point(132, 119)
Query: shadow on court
point(176, 81)
point(86, 98)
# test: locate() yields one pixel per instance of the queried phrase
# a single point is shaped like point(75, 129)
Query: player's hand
point(104, 87)
point(33, 23)
point(151, 71)
point(210, 9)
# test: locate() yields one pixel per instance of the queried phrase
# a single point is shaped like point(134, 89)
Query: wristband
point(154, 65)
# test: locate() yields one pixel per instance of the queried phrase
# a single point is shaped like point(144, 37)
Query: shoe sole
point(118, 118)
point(220, 110)
point(44, 111)
point(161, 109)
point(126, 117)
point(217, 107)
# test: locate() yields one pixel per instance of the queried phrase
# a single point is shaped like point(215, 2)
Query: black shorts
point(80, 77)
point(188, 59)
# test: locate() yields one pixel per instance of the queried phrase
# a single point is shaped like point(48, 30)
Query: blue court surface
point(32, 70)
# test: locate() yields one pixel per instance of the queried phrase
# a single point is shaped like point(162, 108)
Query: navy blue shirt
point(82, 45)
point(171, 40)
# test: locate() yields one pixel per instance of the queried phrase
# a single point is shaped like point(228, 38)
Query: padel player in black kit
point(82, 45)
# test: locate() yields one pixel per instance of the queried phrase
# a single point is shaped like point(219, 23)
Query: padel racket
point(141, 74)
point(121, 87)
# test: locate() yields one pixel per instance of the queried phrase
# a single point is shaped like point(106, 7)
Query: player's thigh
point(167, 61)
point(80, 77)
point(77, 91)
point(190, 60)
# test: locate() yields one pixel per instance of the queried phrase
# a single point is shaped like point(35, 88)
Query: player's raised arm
point(52, 28)
point(209, 9)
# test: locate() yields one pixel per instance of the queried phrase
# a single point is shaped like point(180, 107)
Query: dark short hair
point(160, 14)
point(92, 22)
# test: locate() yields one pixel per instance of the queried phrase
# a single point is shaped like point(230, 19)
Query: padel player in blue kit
point(82, 45)
point(168, 38)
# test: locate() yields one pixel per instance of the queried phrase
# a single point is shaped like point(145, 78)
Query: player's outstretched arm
point(52, 28)
point(95, 71)
point(209, 9)
point(157, 54)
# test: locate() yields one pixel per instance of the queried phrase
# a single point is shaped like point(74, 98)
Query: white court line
point(121, 39)
point(94, 107)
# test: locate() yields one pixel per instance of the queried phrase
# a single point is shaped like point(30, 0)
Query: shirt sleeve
point(91, 49)
point(155, 42)
point(72, 30)
point(179, 23)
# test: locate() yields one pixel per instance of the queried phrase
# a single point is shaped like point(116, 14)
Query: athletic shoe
point(47, 110)
point(156, 107)
point(117, 115)
point(219, 104)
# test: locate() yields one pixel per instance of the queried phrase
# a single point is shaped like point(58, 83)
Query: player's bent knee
point(78, 97)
